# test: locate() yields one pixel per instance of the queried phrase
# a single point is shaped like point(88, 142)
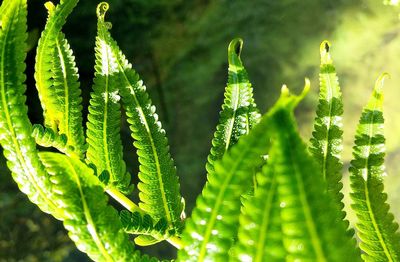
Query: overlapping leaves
point(93, 225)
point(15, 128)
point(159, 185)
point(209, 233)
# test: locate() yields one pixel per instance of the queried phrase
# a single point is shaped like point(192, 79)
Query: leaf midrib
point(105, 116)
point(265, 220)
point(327, 137)
point(154, 150)
point(236, 89)
point(66, 91)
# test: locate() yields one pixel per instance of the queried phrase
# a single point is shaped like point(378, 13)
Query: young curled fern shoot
point(92, 224)
point(48, 82)
point(376, 228)
point(104, 118)
point(159, 186)
point(15, 128)
point(239, 111)
point(210, 231)
point(326, 143)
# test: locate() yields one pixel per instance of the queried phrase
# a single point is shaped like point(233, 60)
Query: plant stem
point(123, 200)
point(132, 207)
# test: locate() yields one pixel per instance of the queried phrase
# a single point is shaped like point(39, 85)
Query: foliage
point(267, 194)
point(377, 230)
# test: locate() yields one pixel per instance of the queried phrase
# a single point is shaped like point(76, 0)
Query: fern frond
point(239, 111)
point(46, 137)
point(65, 83)
point(46, 53)
point(260, 236)
point(104, 118)
point(308, 212)
point(209, 233)
point(15, 127)
point(159, 185)
point(93, 225)
point(376, 228)
point(139, 224)
point(326, 144)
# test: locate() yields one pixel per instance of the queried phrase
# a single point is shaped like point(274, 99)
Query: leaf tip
point(234, 51)
point(101, 10)
point(324, 50)
point(49, 7)
point(380, 81)
point(306, 88)
point(285, 90)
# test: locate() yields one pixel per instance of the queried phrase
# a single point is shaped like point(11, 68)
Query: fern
point(46, 55)
point(93, 225)
point(307, 211)
point(376, 229)
point(260, 235)
point(15, 127)
point(104, 119)
point(46, 137)
point(239, 112)
point(149, 231)
point(159, 186)
point(213, 225)
point(66, 87)
point(289, 212)
point(326, 144)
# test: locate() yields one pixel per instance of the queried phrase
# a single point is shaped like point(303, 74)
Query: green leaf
point(65, 84)
point(326, 144)
point(146, 240)
point(104, 119)
point(239, 111)
point(46, 137)
point(46, 55)
point(159, 185)
point(15, 127)
point(138, 224)
point(93, 225)
point(376, 227)
point(260, 236)
point(209, 233)
point(311, 221)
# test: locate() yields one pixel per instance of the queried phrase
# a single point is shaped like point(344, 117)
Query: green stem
point(123, 200)
point(132, 207)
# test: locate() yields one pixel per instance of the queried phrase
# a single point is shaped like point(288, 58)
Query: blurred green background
point(179, 48)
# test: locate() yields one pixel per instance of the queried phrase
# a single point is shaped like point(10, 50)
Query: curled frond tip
point(381, 80)
point(235, 46)
point(324, 49)
point(102, 10)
